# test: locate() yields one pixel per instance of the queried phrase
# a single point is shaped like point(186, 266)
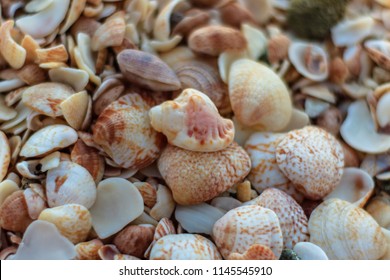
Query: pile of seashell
point(201, 129)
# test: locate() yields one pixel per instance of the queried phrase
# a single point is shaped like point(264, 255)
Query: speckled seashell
point(292, 218)
point(191, 183)
point(163, 228)
point(243, 227)
point(192, 122)
point(14, 214)
point(5, 155)
point(312, 159)
point(346, 232)
point(184, 247)
point(70, 183)
point(72, 220)
point(123, 130)
point(88, 250)
point(258, 96)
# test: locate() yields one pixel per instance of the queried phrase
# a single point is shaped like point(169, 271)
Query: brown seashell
point(195, 177)
point(5, 155)
point(148, 193)
point(147, 70)
point(14, 213)
point(235, 14)
point(278, 48)
point(134, 240)
point(85, 25)
point(88, 250)
point(107, 98)
point(244, 191)
point(331, 120)
point(204, 3)
point(13, 53)
point(111, 33)
point(54, 54)
point(32, 74)
point(123, 130)
point(214, 40)
point(338, 71)
point(30, 45)
point(193, 19)
point(351, 157)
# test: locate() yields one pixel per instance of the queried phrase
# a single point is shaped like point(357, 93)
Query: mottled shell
point(292, 218)
point(346, 232)
point(195, 177)
point(14, 214)
point(258, 96)
point(243, 227)
point(192, 122)
point(184, 247)
point(123, 130)
point(70, 183)
point(88, 250)
point(312, 159)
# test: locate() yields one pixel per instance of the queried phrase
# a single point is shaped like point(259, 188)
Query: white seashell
point(49, 139)
point(299, 119)
point(37, 5)
point(351, 31)
point(225, 203)
point(7, 187)
point(315, 107)
point(5, 155)
point(50, 161)
point(320, 92)
point(309, 251)
point(28, 169)
point(225, 61)
point(257, 41)
point(8, 85)
point(76, 78)
point(118, 203)
point(382, 110)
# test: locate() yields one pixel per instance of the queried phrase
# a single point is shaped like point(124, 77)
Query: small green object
point(290, 255)
point(313, 19)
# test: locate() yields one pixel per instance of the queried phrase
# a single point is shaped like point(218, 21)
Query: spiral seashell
point(123, 130)
point(192, 122)
point(244, 228)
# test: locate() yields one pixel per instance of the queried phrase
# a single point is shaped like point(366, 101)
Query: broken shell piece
point(382, 110)
point(74, 12)
point(312, 159)
point(278, 47)
point(72, 220)
point(148, 193)
point(314, 107)
point(29, 169)
point(379, 52)
point(244, 191)
point(5, 155)
point(57, 53)
point(118, 203)
point(191, 183)
point(6, 113)
point(184, 247)
point(49, 139)
point(76, 78)
point(225, 61)
point(14, 214)
point(192, 122)
point(255, 252)
point(163, 228)
point(32, 74)
point(379, 209)
point(111, 33)
point(7, 187)
point(256, 39)
point(225, 203)
point(309, 251)
point(13, 53)
point(165, 204)
point(35, 203)
point(88, 250)
point(351, 31)
point(74, 109)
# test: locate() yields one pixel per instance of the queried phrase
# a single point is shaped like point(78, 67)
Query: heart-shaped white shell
point(243, 227)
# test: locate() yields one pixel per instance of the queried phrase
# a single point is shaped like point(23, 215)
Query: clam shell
point(191, 183)
point(13, 53)
point(184, 247)
point(243, 227)
point(111, 33)
point(123, 130)
point(192, 122)
point(345, 231)
point(5, 155)
point(14, 214)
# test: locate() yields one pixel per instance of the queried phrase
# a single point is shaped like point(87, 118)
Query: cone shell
point(259, 98)
point(192, 122)
point(312, 159)
point(241, 228)
point(346, 232)
point(123, 130)
point(195, 177)
point(14, 214)
point(184, 247)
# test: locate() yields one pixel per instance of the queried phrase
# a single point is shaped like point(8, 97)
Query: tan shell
point(278, 47)
point(54, 54)
point(379, 209)
point(32, 74)
point(14, 214)
point(214, 40)
point(123, 130)
point(5, 155)
point(379, 52)
point(346, 232)
point(72, 220)
point(292, 218)
point(192, 122)
point(148, 193)
point(13, 53)
point(164, 205)
point(75, 108)
point(76, 78)
point(111, 33)
point(184, 247)
point(312, 159)
point(7, 187)
point(88, 250)
point(247, 226)
point(259, 98)
point(191, 183)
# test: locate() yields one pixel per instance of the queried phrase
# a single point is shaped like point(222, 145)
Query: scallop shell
point(259, 98)
point(13, 53)
point(244, 227)
point(184, 247)
point(14, 214)
point(163, 228)
point(123, 130)
point(192, 122)
point(312, 159)
point(346, 232)
point(191, 183)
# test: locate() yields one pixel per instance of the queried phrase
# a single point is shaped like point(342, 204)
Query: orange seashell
point(14, 214)
point(278, 48)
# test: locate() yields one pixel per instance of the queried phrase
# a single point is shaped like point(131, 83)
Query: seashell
point(359, 237)
point(14, 96)
point(43, 241)
point(263, 104)
point(123, 130)
point(192, 122)
point(13, 53)
point(179, 54)
point(10, 85)
point(90, 159)
point(35, 203)
point(244, 191)
point(30, 45)
point(85, 25)
point(363, 137)
point(44, 22)
point(315, 107)
point(15, 144)
point(193, 19)
point(32, 74)
point(134, 239)
point(74, 108)
point(330, 120)
point(50, 161)
point(299, 119)
point(320, 92)
point(382, 112)
point(148, 193)
point(30, 169)
point(184, 172)
point(88, 250)
point(164, 206)
point(75, 10)
point(309, 251)
point(54, 54)
point(242, 229)
point(278, 47)
point(184, 247)
point(14, 214)
point(312, 159)
point(225, 203)
point(7, 187)
point(49, 139)
point(256, 41)
point(204, 3)
point(292, 218)
point(8, 253)
point(198, 218)
point(235, 14)
point(22, 113)
point(386, 256)
point(379, 52)
point(5, 155)
point(37, 5)
point(111, 33)
point(118, 203)
point(350, 32)
point(379, 209)
point(310, 60)
point(147, 70)
point(83, 57)
point(261, 10)
point(72, 220)
point(144, 218)
point(107, 98)
point(214, 40)
point(338, 71)
point(163, 228)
